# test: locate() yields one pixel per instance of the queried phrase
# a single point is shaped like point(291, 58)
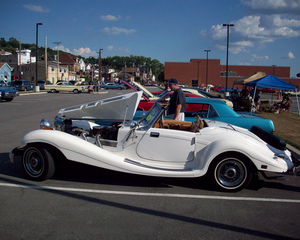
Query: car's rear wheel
point(230, 172)
point(53, 91)
point(38, 163)
point(75, 91)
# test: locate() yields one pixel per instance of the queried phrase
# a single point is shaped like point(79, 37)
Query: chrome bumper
point(15, 152)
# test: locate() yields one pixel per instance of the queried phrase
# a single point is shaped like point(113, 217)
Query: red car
point(145, 105)
point(216, 89)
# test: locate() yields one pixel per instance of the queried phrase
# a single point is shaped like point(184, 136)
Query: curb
point(293, 149)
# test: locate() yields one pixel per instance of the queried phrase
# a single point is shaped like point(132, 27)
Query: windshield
point(151, 116)
point(163, 95)
point(3, 84)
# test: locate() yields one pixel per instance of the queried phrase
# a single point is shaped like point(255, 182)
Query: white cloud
point(110, 18)
point(84, 52)
point(291, 55)
point(115, 49)
point(273, 6)
point(110, 48)
point(117, 31)
point(256, 57)
point(253, 30)
point(249, 27)
point(280, 22)
point(62, 48)
point(36, 8)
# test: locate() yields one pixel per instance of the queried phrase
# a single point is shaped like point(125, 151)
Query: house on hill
point(71, 62)
point(5, 72)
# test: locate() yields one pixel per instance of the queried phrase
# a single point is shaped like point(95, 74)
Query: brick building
point(194, 72)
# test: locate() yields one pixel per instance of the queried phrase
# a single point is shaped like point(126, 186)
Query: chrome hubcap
point(231, 173)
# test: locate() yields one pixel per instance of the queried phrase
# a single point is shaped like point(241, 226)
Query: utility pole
point(100, 66)
point(46, 61)
point(36, 60)
point(19, 65)
point(207, 51)
point(227, 25)
point(57, 58)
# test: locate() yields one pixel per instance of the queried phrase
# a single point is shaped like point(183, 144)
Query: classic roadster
point(152, 146)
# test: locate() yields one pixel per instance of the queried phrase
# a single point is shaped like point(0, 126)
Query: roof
point(4, 63)
point(67, 58)
point(249, 78)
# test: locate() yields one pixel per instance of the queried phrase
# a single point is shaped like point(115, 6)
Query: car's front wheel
point(230, 172)
point(75, 91)
point(38, 163)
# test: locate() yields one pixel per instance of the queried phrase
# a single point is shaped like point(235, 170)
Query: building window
point(230, 73)
point(195, 83)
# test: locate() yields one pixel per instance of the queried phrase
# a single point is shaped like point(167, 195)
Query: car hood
point(118, 108)
point(144, 89)
point(8, 89)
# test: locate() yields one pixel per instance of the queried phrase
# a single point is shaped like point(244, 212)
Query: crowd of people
point(243, 101)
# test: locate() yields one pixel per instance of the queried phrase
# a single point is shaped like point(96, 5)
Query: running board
point(156, 168)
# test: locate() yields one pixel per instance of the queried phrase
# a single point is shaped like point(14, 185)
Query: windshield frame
point(151, 117)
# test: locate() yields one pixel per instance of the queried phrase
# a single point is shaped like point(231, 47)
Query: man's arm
point(177, 111)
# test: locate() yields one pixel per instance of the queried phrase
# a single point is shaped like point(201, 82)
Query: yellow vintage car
point(206, 95)
point(65, 86)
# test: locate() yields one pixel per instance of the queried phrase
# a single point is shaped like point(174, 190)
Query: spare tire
point(269, 138)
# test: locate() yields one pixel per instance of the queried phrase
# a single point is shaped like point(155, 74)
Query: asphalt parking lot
point(82, 202)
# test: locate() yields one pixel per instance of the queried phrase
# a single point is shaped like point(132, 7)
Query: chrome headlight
point(58, 121)
point(45, 124)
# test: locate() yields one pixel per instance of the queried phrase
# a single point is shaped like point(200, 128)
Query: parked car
point(112, 86)
point(215, 109)
point(64, 86)
point(42, 84)
point(163, 98)
point(216, 88)
point(205, 95)
point(23, 85)
point(228, 155)
point(199, 91)
point(7, 92)
point(229, 89)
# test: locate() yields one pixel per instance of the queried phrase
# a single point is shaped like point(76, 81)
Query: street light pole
point(207, 51)
point(36, 54)
point(227, 25)
point(273, 69)
point(100, 67)
point(57, 59)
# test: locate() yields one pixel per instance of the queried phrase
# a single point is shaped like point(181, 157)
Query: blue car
point(229, 89)
point(215, 109)
point(7, 92)
point(218, 110)
point(112, 86)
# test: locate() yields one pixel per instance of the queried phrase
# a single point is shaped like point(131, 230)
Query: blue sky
point(265, 32)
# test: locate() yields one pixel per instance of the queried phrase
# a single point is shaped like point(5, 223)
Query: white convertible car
point(102, 134)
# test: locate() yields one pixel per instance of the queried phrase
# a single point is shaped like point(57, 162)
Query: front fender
point(75, 148)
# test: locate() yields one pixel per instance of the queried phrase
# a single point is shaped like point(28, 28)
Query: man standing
point(177, 106)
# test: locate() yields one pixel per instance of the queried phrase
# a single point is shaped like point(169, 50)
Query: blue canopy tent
point(271, 81)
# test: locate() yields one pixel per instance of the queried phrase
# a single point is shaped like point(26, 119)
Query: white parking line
point(151, 194)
